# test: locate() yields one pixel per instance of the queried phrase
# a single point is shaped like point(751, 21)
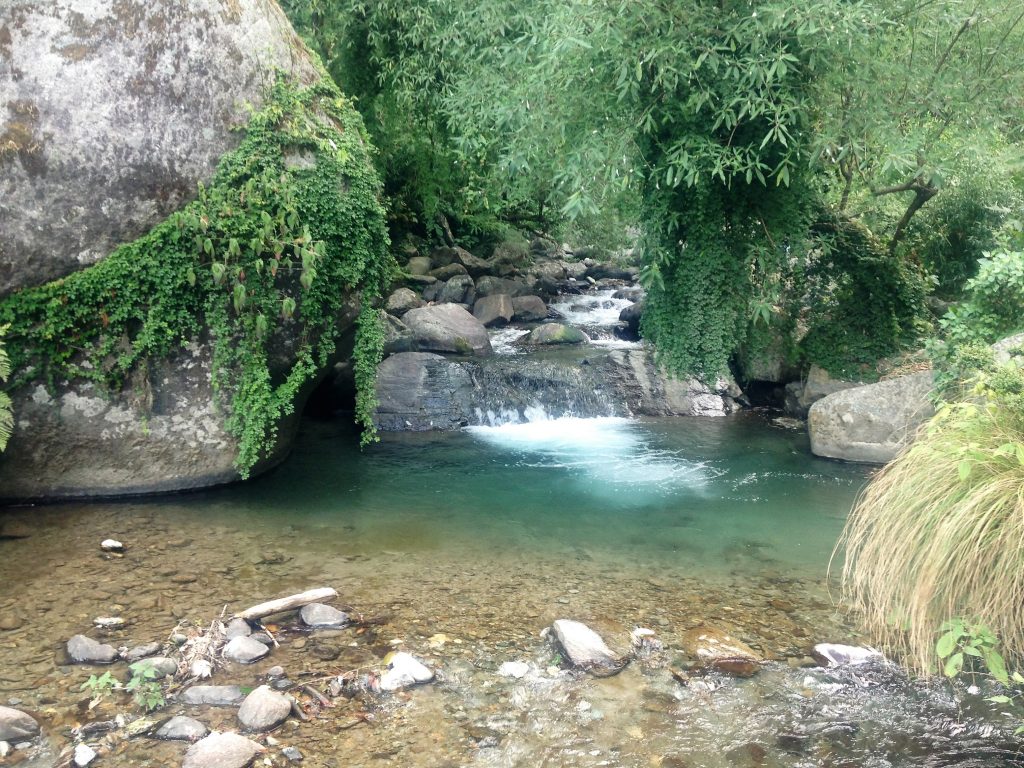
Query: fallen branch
point(287, 603)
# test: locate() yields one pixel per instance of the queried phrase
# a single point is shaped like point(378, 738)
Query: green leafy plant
point(994, 304)
point(144, 686)
point(99, 687)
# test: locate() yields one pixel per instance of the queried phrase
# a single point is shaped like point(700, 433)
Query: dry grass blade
point(939, 533)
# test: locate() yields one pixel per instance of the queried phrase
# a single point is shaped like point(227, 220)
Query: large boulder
point(474, 265)
point(646, 390)
point(419, 391)
point(871, 423)
point(529, 309)
point(800, 396)
point(489, 285)
point(112, 112)
point(458, 290)
point(556, 333)
point(116, 114)
point(448, 328)
point(401, 301)
point(16, 725)
point(631, 317)
point(494, 310)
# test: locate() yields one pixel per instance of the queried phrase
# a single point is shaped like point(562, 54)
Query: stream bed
point(463, 548)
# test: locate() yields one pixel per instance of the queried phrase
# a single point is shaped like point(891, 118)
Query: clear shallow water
point(465, 547)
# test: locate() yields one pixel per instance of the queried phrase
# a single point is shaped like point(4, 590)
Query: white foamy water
point(503, 340)
point(593, 310)
point(606, 452)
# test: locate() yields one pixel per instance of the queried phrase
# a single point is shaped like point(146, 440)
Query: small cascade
point(597, 315)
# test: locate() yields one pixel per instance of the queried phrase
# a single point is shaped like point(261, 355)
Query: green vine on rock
point(262, 265)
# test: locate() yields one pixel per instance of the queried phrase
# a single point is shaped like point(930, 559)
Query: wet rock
point(529, 309)
point(181, 728)
point(244, 650)
point(494, 310)
point(872, 423)
point(401, 301)
point(292, 755)
point(213, 695)
point(631, 317)
point(221, 750)
point(648, 391)
point(420, 391)
point(111, 545)
point(85, 650)
point(10, 622)
point(16, 725)
point(320, 615)
point(237, 628)
point(835, 655)
point(262, 637)
point(556, 333)
point(448, 328)
point(714, 649)
point(84, 754)
point(404, 670)
point(633, 293)
point(161, 665)
point(108, 622)
point(582, 645)
point(263, 710)
point(516, 669)
point(141, 652)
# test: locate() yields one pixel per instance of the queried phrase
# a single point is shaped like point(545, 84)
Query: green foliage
point(290, 225)
point(99, 687)
point(862, 304)
point(936, 535)
point(144, 686)
point(972, 644)
point(994, 301)
point(6, 414)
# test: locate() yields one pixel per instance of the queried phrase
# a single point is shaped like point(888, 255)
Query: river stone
point(320, 615)
point(403, 670)
point(264, 710)
point(515, 669)
point(221, 750)
point(494, 310)
point(872, 423)
point(85, 650)
point(142, 651)
point(244, 650)
point(714, 649)
point(401, 301)
point(556, 333)
point(582, 645)
point(161, 666)
point(115, 114)
point(16, 725)
point(458, 290)
point(448, 328)
point(213, 695)
point(292, 754)
point(489, 285)
point(447, 272)
point(529, 309)
point(419, 266)
point(631, 317)
point(474, 265)
point(237, 628)
point(181, 728)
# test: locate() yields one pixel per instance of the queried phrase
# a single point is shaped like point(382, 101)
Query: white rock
point(108, 621)
point(5, 749)
point(403, 671)
point(516, 669)
point(84, 754)
point(582, 645)
point(111, 545)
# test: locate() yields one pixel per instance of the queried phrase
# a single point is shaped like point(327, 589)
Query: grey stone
point(447, 272)
point(221, 750)
point(474, 265)
point(244, 650)
point(213, 695)
point(419, 265)
point(631, 317)
point(819, 384)
point(582, 645)
point(275, 672)
point(16, 725)
point(117, 114)
point(529, 309)
point(647, 391)
point(714, 649)
point(85, 650)
point(458, 290)
point(397, 336)
point(401, 301)
point(320, 615)
point(633, 293)
point(419, 391)
point(404, 670)
point(182, 728)
point(488, 286)
point(292, 754)
point(264, 710)
point(142, 651)
point(161, 665)
point(494, 310)
point(448, 328)
point(237, 628)
point(556, 333)
point(871, 423)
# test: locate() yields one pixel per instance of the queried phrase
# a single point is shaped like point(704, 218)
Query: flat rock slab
point(213, 695)
point(244, 650)
point(142, 651)
point(714, 649)
point(16, 725)
point(320, 615)
point(85, 650)
point(221, 750)
point(181, 728)
point(263, 710)
point(582, 645)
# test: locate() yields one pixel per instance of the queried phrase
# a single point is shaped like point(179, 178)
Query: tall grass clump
point(939, 532)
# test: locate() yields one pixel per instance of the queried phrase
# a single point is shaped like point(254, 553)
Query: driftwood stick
point(287, 603)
